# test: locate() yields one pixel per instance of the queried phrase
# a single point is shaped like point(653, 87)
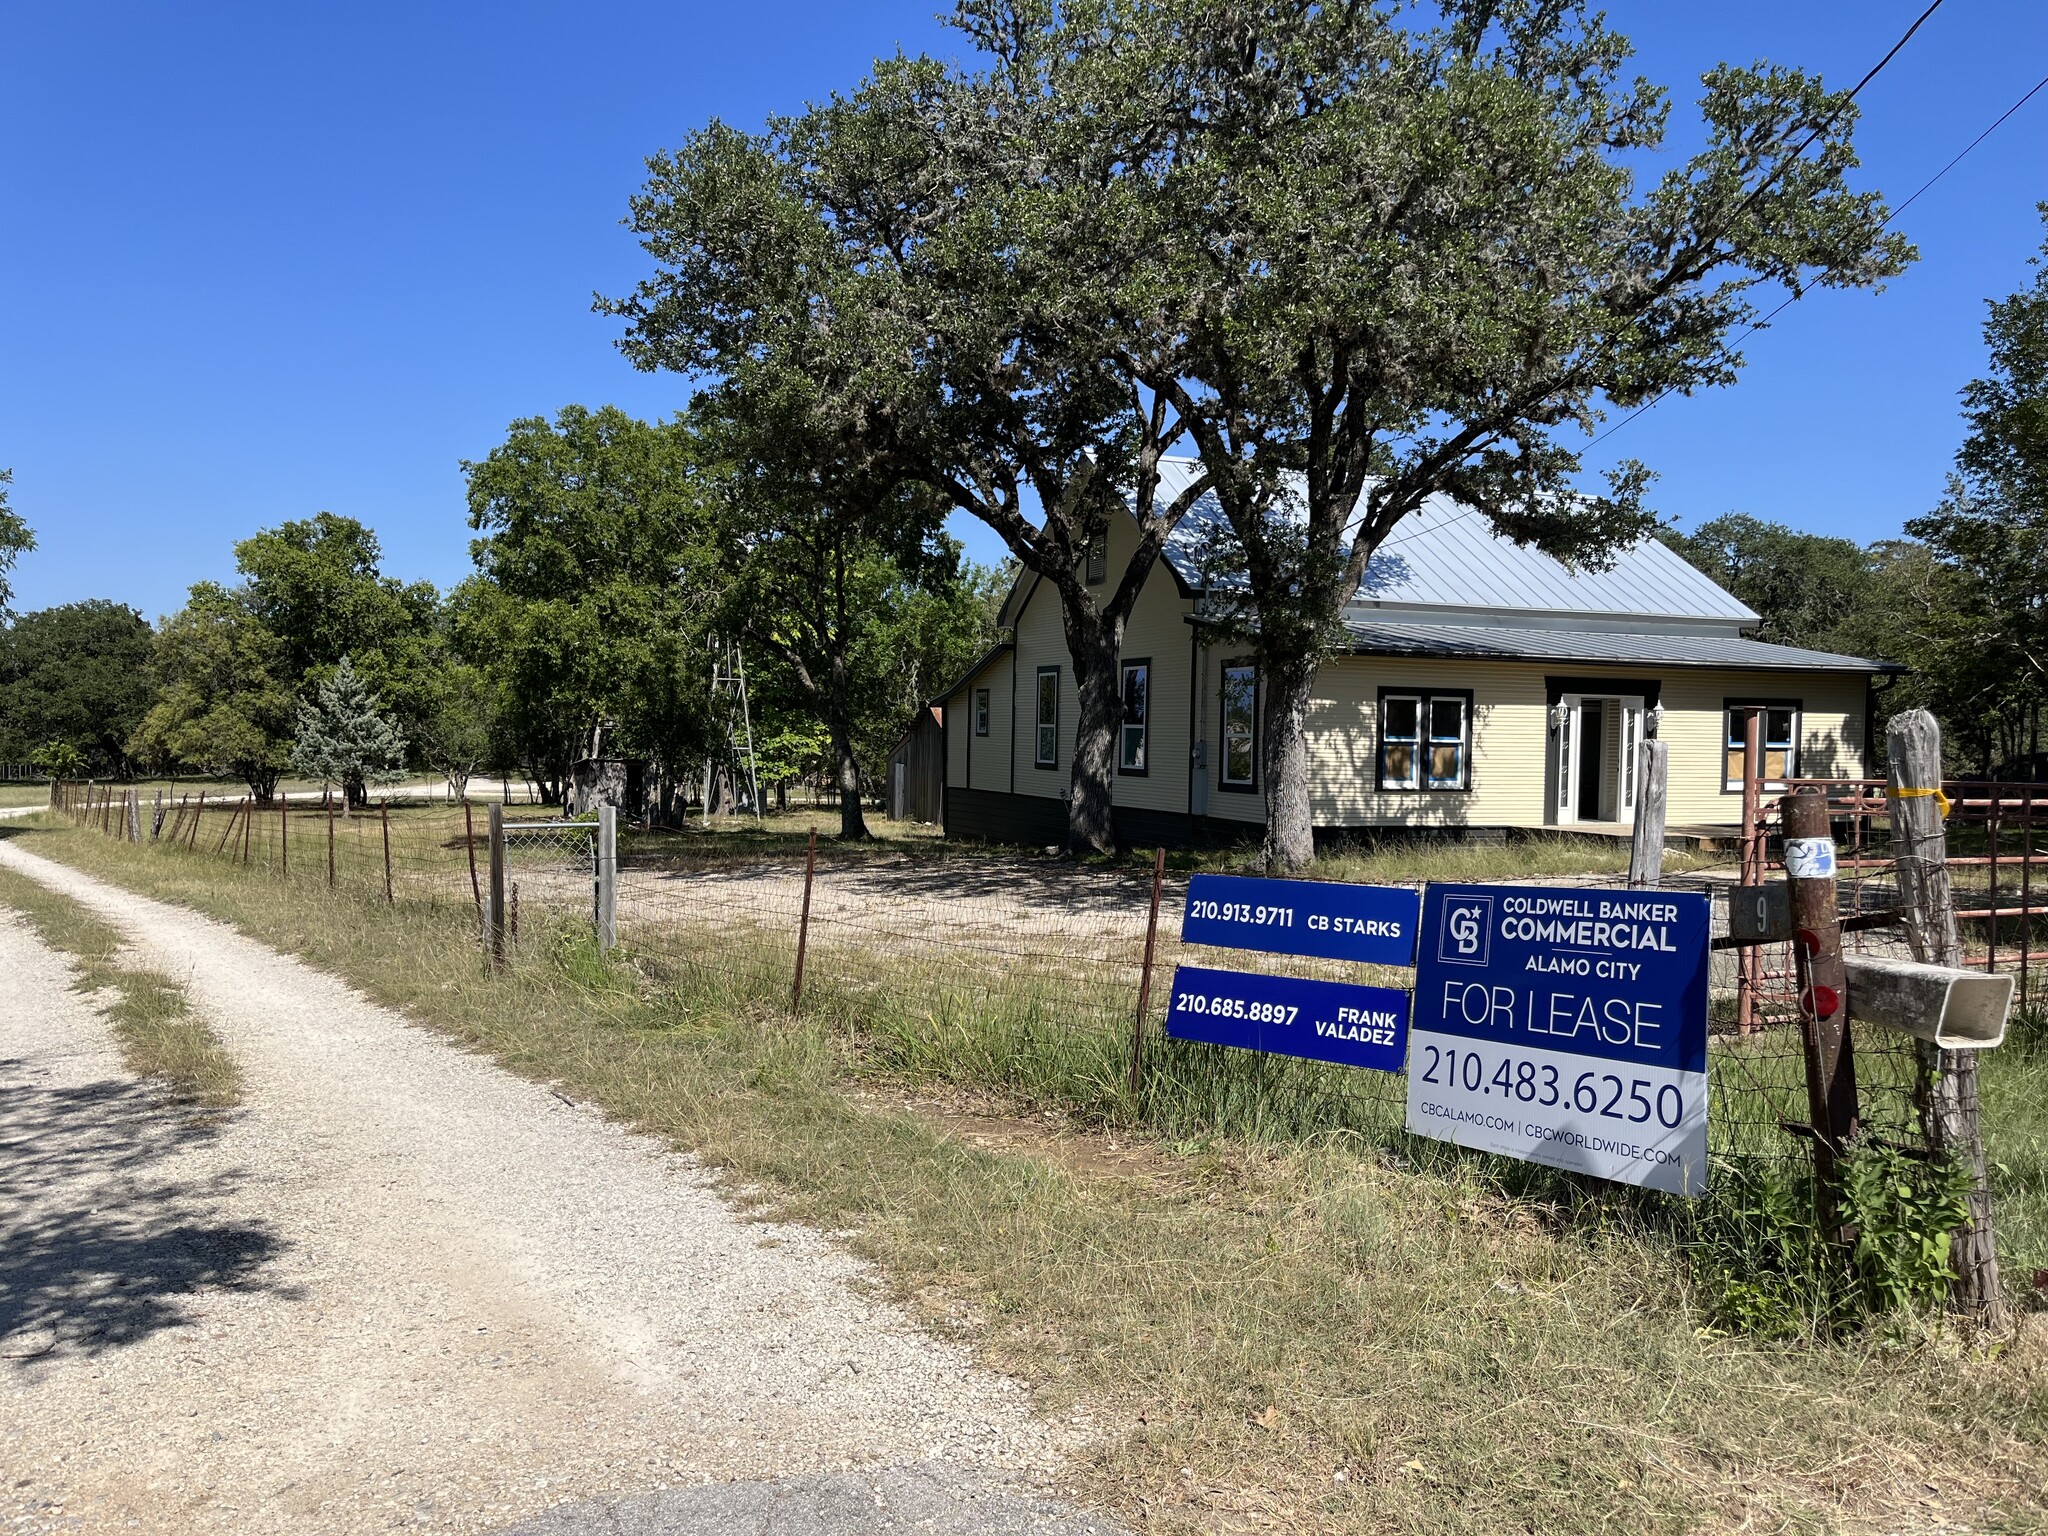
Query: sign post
point(1565, 1027)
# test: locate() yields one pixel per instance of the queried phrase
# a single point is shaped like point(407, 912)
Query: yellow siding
point(1513, 754)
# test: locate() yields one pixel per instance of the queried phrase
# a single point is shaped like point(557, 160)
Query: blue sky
point(261, 260)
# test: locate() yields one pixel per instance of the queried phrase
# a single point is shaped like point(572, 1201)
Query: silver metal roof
point(1447, 557)
point(1481, 642)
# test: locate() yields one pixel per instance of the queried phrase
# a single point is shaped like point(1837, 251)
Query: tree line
point(615, 560)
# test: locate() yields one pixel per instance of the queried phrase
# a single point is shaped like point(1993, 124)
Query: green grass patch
point(159, 1035)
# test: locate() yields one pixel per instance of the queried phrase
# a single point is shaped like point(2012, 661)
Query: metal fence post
point(330, 845)
point(1750, 962)
point(494, 924)
point(284, 833)
point(384, 816)
point(607, 878)
point(1145, 974)
point(803, 929)
point(156, 816)
point(1947, 1087)
point(1823, 992)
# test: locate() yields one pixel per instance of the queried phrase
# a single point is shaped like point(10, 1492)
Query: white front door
point(1597, 761)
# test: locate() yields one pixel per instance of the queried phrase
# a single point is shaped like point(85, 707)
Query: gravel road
point(403, 1289)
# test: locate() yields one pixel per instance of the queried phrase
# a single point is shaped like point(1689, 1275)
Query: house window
point(1425, 740)
point(1098, 559)
point(981, 711)
point(1047, 748)
point(1777, 729)
point(1132, 731)
point(1240, 726)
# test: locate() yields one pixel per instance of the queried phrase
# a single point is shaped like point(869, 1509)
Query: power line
point(1792, 299)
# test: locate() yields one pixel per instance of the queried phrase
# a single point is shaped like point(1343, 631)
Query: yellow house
point(1484, 687)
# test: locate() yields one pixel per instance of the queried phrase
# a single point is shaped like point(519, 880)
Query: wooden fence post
point(1823, 993)
point(1137, 1070)
point(607, 878)
point(133, 829)
point(1947, 1089)
point(1646, 838)
point(495, 923)
point(803, 927)
point(384, 815)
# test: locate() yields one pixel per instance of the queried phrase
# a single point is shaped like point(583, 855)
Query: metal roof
point(1447, 556)
point(1482, 642)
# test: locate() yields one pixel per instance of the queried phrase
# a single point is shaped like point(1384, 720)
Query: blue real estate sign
point(1371, 924)
point(1566, 1027)
point(1323, 1020)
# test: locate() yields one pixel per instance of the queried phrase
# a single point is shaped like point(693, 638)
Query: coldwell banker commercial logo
point(1467, 931)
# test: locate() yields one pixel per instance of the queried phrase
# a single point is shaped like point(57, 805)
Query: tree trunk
point(1290, 825)
point(1096, 652)
point(853, 826)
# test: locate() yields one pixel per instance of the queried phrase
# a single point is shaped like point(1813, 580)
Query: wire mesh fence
point(1000, 971)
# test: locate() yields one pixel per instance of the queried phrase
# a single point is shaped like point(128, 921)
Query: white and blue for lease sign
point(1566, 1027)
point(1335, 1021)
point(1371, 924)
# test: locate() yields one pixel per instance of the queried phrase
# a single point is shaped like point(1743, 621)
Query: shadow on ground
point(102, 1241)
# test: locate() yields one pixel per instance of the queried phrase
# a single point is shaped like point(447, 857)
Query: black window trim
point(1798, 735)
point(1038, 724)
point(984, 711)
point(1422, 693)
point(1122, 677)
point(1223, 780)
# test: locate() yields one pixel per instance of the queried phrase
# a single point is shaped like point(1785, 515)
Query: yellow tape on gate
point(1940, 799)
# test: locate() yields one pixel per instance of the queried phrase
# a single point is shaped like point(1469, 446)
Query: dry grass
point(1318, 1339)
point(24, 794)
point(160, 1037)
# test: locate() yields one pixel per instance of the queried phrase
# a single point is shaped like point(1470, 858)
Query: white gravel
point(400, 1288)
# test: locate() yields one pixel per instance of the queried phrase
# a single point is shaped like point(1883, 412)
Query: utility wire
point(1792, 299)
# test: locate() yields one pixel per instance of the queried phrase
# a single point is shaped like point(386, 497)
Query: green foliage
point(59, 759)
point(1903, 1209)
point(591, 591)
point(345, 737)
point(221, 702)
point(1766, 1270)
point(316, 584)
point(1804, 586)
point(1989, 537)
point(16, 540)
point(78, 673)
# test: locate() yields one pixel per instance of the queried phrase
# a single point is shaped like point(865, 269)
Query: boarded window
point(1425, 740)
point(1098, 560)
point(1778, 731)
point(1240, 726)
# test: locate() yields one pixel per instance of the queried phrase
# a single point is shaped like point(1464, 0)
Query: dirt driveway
point(402, 1289)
